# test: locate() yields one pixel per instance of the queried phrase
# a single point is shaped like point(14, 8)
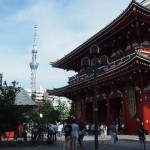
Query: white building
point(38, 96)
point(41, 96)
point(55, 100)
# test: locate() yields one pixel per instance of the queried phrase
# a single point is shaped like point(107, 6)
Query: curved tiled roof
point(103, 32)
point(23, 98)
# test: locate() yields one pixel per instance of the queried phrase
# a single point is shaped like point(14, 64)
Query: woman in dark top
point(81, 133)
point(67, 130)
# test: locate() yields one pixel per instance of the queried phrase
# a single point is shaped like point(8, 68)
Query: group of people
point(120, 128)
point(36, 130)
point(113, 131)
point(74, 134)
point(52, 132)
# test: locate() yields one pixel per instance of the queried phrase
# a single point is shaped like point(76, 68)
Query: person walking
point(60, 127)
point(86, 128)
point(81, 133)
point(67, 131)
point(113, 133)
point(35, 132)
point(40, 136)
point(105, 129)
point(142, 138)
point(24, 133)
point(55, 130)
point(75, 135)
point(102, 133)
point(50, 133)
point(122, 128)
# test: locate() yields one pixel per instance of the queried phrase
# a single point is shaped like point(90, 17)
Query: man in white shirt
point(60, 127)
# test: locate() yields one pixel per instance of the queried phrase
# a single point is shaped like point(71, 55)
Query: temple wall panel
point(123, 101)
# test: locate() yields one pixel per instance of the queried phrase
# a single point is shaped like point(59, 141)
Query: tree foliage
point(63, 110)
point(10, 115)
point(49, 113)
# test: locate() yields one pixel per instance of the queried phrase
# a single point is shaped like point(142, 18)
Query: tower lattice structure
point(34, 65)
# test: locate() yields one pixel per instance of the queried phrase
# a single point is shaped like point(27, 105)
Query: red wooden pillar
point(124, 111)
point(108, 110)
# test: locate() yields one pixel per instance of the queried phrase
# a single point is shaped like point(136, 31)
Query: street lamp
point(91, 66)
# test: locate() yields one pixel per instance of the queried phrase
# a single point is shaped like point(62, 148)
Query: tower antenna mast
point(34, 65)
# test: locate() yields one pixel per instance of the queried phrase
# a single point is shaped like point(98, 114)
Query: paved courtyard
point(125, 142)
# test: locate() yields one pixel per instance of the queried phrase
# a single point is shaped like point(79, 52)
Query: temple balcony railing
point(115, 61)
point(82, 75)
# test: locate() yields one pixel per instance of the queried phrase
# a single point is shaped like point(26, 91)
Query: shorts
point(68, 139)
point(75, 140)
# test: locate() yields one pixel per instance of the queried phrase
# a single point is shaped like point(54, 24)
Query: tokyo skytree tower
point(34, 65)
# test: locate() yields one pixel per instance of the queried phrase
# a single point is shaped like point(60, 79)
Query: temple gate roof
point(134, 10)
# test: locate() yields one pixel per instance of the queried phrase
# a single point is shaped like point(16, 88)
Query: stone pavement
point(125, 142)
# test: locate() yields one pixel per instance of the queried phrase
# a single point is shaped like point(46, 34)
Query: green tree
point(10, 115)
point(63, 110)
point(32, 115)
point(71, 113)
point(49, 113)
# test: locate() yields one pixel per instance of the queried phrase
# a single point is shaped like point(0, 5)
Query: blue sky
point(62, 25)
